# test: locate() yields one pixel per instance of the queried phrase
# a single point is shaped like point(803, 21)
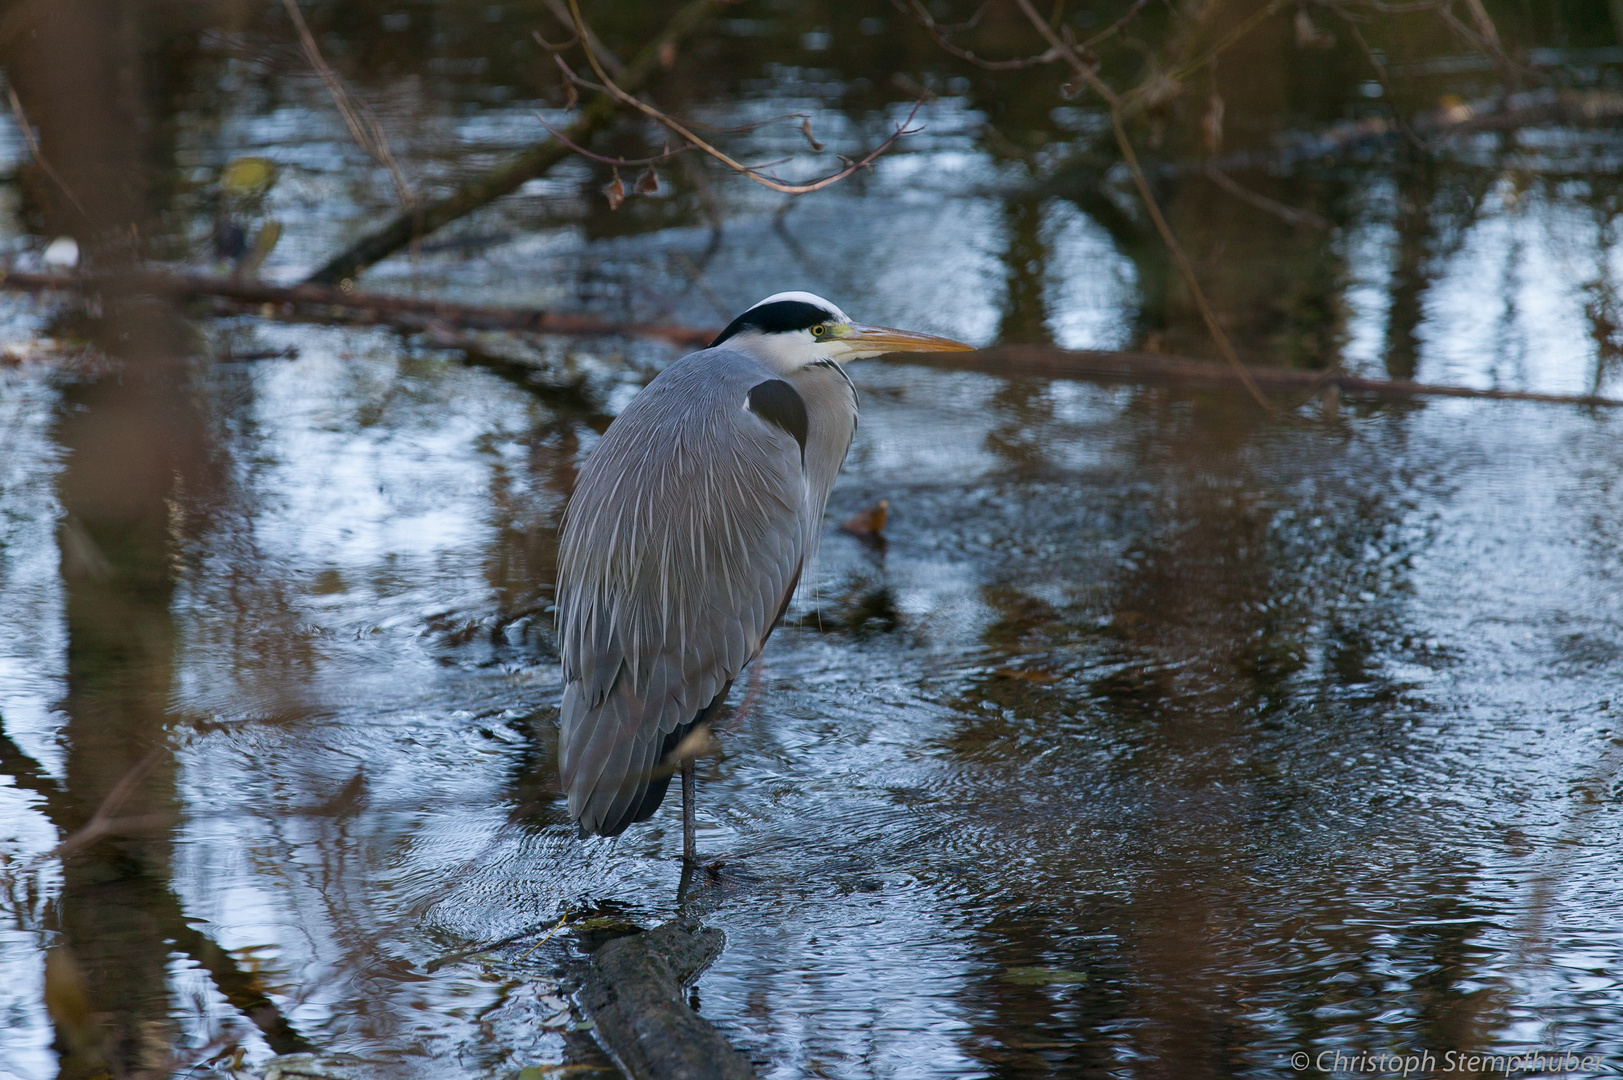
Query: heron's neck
point(784, 357)
point(831, 412)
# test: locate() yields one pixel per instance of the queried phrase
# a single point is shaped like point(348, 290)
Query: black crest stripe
point(778, 403)
point(776, 318)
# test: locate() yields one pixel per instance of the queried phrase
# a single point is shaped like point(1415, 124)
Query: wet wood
point(328, 304)
point(424, 218)
point(1055, 363)
point(443, 319)
point(633, 994)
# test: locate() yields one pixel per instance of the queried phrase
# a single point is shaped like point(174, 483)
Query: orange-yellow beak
point(877, 340)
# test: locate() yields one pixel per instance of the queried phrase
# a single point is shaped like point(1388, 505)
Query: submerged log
point(633, 993)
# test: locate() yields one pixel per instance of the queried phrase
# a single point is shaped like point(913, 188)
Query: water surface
point(1160, 738)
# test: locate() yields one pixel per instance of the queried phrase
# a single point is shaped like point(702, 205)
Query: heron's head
point(791, 330)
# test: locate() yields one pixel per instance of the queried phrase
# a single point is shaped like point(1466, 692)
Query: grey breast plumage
point(681, 546)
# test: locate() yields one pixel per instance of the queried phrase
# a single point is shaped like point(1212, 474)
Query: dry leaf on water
point(870, 522)
point(805, 129)
point(1030, 675)
point(614, 191)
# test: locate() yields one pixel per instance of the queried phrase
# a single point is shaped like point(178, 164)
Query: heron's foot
point(711, 866)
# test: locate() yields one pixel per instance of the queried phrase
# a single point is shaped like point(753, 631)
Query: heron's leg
point(688, 801)
point(684, 886)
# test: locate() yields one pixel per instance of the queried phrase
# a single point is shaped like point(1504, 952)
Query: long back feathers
point(681, 545)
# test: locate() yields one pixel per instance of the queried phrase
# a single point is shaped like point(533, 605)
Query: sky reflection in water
point(1267, 731)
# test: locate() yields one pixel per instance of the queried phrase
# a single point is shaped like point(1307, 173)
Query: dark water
point(1162, 738)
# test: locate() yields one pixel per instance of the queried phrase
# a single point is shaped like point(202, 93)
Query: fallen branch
point(634, 994)
point(362, 122)
point(319, 304)
point(1048, 361)
point(324, 304)
point(424, 218)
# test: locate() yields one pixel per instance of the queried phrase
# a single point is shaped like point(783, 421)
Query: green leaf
point(248, 175)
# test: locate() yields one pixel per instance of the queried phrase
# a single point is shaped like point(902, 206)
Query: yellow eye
point(819, 331)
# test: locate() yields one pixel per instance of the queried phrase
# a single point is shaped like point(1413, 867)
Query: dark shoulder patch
point(776, 402)
point(776, 318)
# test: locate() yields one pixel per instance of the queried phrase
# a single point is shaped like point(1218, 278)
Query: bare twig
point(1222, 44)
point(668, 152)
point(496, 943)
point(971, 22)
point(745, 129)
point(1485, 36)
point(103, 823)
point(361, 120)
point(1114, 28)
point(624, 163)
point(939, 33)
point(1114, 100)
point(1385, 80)
point(1576, 108)
point(411, 225)
point(550, 47)
point(1290, 214)
point(39, 155)
point(749, 171)
point(548, 936)
point(560, 11)
point(1387, 8)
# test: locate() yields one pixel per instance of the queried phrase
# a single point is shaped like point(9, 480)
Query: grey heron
point(687, 532)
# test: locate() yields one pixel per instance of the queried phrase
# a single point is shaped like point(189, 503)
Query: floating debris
point(248, 176)
point(870, 522)
point(1042, 976)
point(62, 253)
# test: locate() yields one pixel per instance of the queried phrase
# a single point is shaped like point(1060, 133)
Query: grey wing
point(681, 546)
